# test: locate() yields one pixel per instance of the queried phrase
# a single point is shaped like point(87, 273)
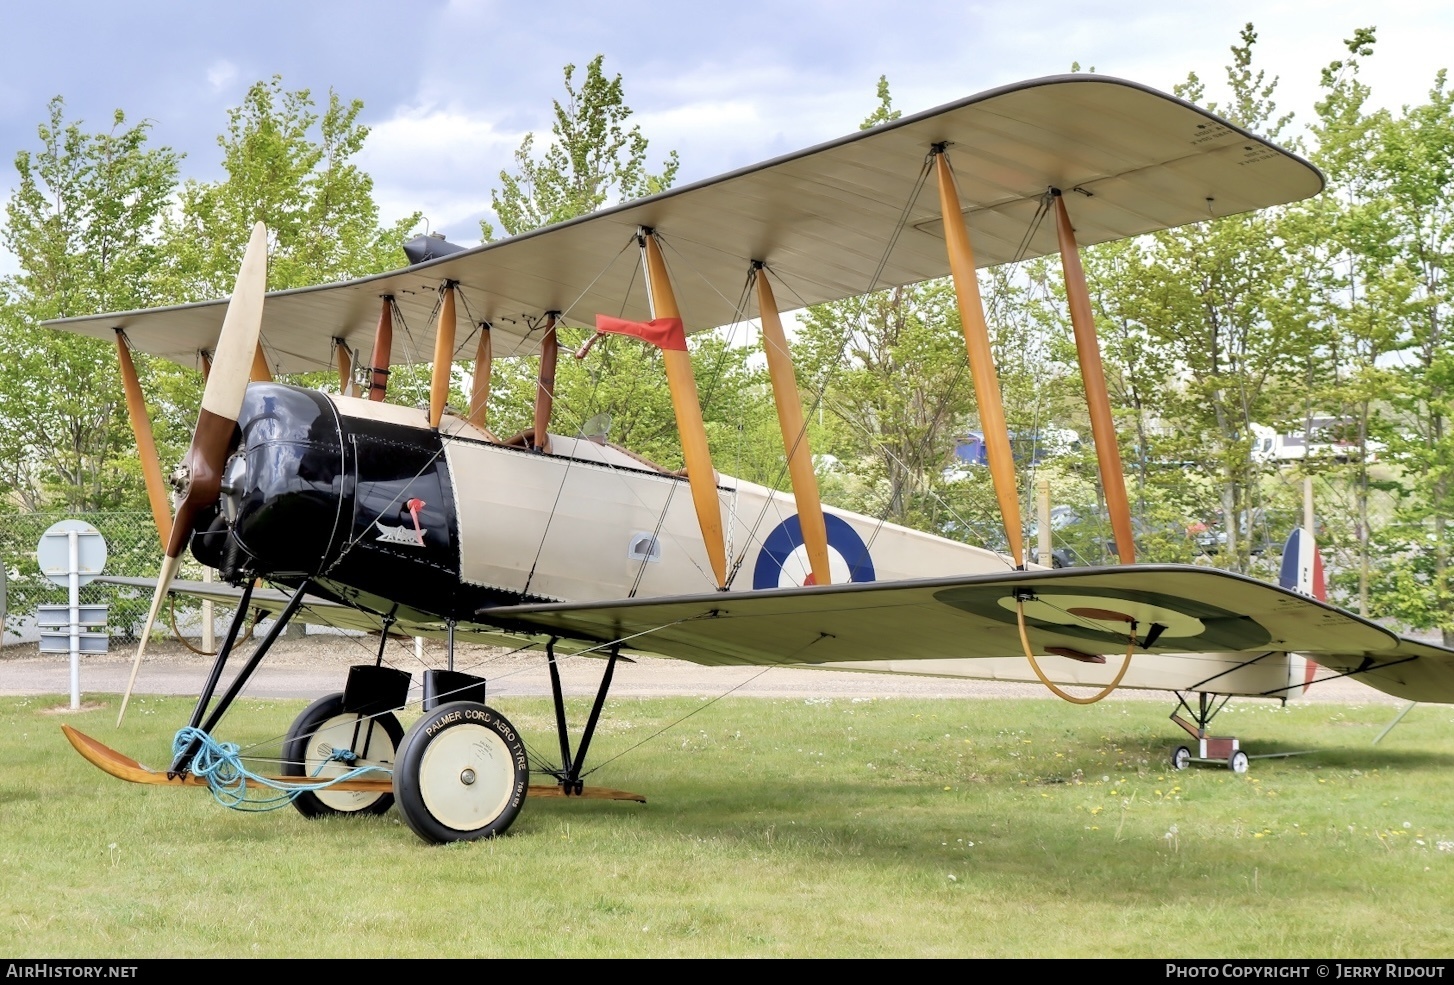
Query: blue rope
point(220, 764)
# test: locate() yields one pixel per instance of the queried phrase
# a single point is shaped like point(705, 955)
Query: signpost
point(73, 553)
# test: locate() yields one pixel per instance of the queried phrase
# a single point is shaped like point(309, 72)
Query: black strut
point(208, 689)
point(569, 774)
point(184, 758)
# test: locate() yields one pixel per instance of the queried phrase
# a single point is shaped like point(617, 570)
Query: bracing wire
point(704, 705)
point(822, 387)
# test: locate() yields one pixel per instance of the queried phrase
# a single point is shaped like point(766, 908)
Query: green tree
point(83, 224)
point(889, 370)
point(1413, 168)
point(1344, 249)
point(291, 166)
point(892, 375)
point(1219, 305)
point(593, 160)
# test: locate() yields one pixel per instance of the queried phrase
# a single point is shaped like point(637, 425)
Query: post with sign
point(72, 553)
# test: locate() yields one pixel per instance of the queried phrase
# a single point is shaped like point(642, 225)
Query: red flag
point(664, 333)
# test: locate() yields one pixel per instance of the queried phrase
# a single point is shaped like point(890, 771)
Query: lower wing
point(1190, 628)
point(1194, 629)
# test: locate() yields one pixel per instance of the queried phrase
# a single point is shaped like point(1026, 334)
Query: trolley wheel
point(1180, 758)
point(309, 751)
point(462, 774)
point(1237, 762)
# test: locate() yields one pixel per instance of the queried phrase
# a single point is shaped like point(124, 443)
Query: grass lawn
point(784, 827)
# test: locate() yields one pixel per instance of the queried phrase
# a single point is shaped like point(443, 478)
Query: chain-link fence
point(132, 549)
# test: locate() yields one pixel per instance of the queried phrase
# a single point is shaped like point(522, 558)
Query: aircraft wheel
point(309, 749)
point(1237, 762)
point(462, 774)
point(1180, 758)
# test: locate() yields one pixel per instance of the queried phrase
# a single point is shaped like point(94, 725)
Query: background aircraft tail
point(1302, 572)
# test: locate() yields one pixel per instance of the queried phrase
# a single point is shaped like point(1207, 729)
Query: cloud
point(442, 161)
point(221, 74)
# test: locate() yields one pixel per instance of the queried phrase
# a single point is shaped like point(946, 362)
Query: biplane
point(354, 511)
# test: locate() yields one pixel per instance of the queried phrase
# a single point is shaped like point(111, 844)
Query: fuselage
point(369, 503)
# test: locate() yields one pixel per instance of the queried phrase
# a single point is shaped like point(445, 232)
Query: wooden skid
point(110, 761)
point(589, 793)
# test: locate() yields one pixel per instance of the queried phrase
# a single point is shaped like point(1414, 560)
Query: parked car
point(1265, 529)
point(1333, 438)
point(1028, 447)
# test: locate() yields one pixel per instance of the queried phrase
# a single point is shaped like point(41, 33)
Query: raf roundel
point(783, 560)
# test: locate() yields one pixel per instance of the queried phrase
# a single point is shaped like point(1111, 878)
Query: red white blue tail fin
point(1302, 572)
point(1302, 566)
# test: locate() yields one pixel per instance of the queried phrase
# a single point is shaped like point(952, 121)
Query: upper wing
point(1137, 161)
point(1202, 611)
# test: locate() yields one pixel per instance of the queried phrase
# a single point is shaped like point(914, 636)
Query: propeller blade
point(164, 580)
point(211, 439)
point(226, 387)
point(232, 359)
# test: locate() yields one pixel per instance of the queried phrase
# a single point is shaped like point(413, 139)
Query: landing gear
point(325, 741)
point(462, 775)
point(182, 763)
point(571, 766)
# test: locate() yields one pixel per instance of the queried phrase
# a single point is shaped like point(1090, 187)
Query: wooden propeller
point(199, 480)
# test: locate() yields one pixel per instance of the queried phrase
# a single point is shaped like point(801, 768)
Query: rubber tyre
point(1237, 762)
point(462, 775)
point(324, 726)
point(1180, 758)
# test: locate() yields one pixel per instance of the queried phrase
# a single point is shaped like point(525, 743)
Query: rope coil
point(220, 764)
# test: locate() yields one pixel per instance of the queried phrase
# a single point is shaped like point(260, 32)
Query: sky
point(450, 87)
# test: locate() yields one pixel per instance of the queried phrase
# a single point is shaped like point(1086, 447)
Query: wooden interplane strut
point(383, 344)
point(146, 449)
point(981, 358)
point(480, 386)
point(443, 355)
point(1092, 373)
point(688, 410)
point(345, 368)
point(795, 431)
point(545, 385)
point(260, 371)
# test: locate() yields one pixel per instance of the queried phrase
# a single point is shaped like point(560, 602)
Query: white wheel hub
point(466, 777)
point(373, 748)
